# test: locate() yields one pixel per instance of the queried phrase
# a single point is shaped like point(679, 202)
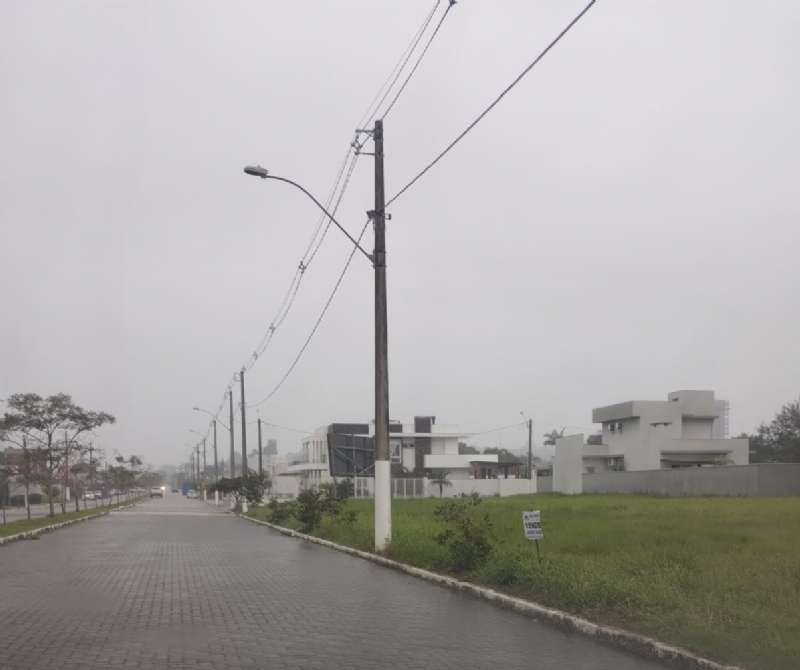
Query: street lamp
point(383, 496)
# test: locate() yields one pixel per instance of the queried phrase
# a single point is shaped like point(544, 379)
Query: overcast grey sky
point(623, 224)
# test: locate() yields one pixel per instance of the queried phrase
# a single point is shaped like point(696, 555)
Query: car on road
point(90, 495)
point(175, 491)
point(191, 493)
point(156, 492)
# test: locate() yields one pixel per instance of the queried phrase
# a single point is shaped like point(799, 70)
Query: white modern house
point(418, 446)
point(422, 445)
point(688, 429)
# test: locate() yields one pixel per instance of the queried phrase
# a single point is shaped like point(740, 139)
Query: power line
point(419, 59)
point(492, 105)
point(519, 424)
point(294, 430)
point(394, 74)
point(313, 246)
point(316, 324)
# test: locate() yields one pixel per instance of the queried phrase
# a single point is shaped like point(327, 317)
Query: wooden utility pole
point(244, 427)
point(530, 449)
point(260, 456)
point(230, 427)
point(383, 496)
point(216, 462)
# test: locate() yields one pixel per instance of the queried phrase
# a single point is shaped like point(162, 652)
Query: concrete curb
point(641, 645)
point(44, 529)
point(53, 526)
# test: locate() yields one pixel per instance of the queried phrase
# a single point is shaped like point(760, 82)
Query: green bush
point(502, 570)
point(309, 508)
point(467, 535)
point(280, 512)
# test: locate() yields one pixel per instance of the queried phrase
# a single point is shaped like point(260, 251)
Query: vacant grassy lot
point(719, 576)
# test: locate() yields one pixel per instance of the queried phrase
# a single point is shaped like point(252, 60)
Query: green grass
point(23, 525)
point(719, 576)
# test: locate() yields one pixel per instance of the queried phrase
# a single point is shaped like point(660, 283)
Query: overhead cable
point(491, 106)
point(419, 59)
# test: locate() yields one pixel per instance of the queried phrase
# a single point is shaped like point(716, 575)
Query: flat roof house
point(688, 429)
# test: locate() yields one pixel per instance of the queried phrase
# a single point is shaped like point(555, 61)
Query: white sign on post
point(532, 525)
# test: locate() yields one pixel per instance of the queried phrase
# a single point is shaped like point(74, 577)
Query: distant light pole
point(383, 497)
point(214, 421)
point(244, 427)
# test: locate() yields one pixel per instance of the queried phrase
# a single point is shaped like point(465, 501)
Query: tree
point(779, 440)
point(40, 419)
point(439, 478)
point(251, 488)
point(551, 437)
point(464, 449)
point(503, 455)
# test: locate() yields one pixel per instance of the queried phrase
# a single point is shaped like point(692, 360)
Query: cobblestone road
point(175, 584)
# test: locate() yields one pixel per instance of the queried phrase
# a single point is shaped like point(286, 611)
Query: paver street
point(175, 583)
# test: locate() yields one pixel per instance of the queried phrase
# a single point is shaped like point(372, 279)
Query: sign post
point(532, 527)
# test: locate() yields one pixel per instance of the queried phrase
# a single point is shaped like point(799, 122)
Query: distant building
point(689, 429)
point(416, 447)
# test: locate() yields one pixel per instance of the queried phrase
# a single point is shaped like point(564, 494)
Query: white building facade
point(417, 447)
point(689, 429)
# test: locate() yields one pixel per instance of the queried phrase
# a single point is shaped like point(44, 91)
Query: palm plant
point(439, 478)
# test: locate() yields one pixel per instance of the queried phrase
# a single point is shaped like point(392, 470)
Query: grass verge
point(24, 525)
point(718, 576)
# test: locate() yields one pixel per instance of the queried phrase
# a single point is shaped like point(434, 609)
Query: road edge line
point(44, 529)
point(25, 535)
point(641, 645)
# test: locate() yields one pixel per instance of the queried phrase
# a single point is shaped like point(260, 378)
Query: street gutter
point(640, 645)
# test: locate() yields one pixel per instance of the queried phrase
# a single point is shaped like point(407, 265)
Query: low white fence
point(417, 487)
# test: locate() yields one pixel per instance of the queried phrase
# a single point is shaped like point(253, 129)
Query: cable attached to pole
point(492, 105)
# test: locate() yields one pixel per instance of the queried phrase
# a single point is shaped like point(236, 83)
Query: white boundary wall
point(568, 465)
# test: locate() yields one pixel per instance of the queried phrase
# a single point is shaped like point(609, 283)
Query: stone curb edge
point(54, 526)
point(641, 645)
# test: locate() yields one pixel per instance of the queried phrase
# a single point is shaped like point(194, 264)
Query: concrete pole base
point(383, 505)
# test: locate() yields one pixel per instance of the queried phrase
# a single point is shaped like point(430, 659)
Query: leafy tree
point(41, 421)
point(779, 440)
point(439, 478)
point(122, 479)
point(551, 437)
point(503, 455)
point(254, 487)
point(464, 449)
point(250, 488)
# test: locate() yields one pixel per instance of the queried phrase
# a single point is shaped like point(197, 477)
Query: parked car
point(175, 491)
point(90, 495)
point(191, 493)
point(156, 492)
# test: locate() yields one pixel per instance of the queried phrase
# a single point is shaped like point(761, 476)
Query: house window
point(396, 450)
point(611, 427)
point(619, 427)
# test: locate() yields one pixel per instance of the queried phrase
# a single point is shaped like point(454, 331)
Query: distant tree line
point(47, 441)
point(779, 440)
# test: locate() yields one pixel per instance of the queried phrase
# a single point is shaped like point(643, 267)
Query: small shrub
point(280, 512)
point(467, 535)
point(502, 570)
point(310, 506)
